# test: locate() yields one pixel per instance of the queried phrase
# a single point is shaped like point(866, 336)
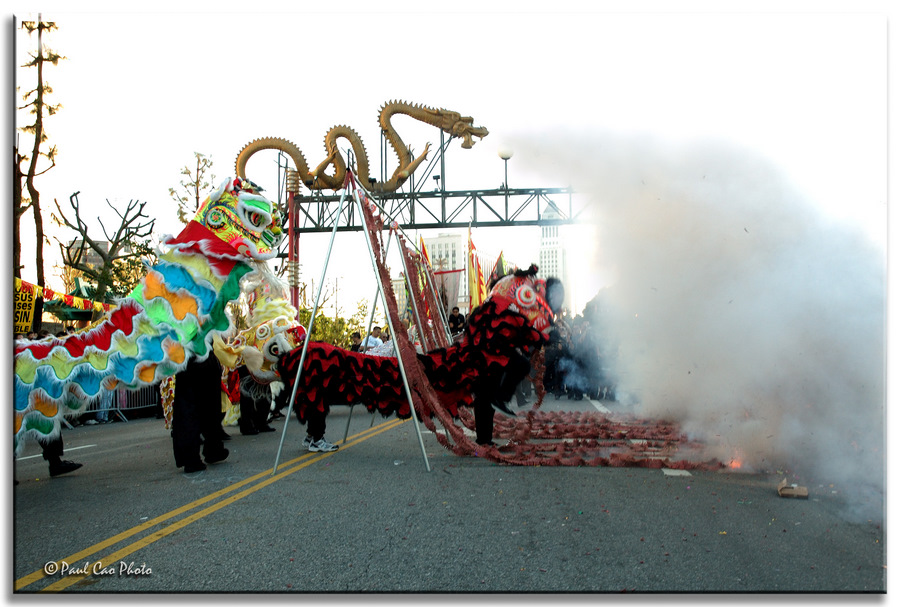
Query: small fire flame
point(737, 460)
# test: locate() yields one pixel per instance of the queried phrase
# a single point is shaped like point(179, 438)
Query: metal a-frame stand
point(351, 185)
point(420, 324)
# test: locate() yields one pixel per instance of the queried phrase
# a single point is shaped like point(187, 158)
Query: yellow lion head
point(237, 213)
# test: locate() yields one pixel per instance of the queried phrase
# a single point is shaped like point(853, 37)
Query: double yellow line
point(267, 479)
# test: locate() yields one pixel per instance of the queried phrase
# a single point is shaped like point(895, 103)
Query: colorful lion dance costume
point(250, 358)
point(172, 316)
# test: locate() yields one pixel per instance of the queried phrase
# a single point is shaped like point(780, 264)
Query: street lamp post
point(505, 154)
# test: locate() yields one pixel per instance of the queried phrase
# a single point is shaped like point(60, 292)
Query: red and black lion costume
point(480, 369)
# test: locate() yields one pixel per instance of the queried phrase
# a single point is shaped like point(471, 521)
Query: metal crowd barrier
point(125, 401)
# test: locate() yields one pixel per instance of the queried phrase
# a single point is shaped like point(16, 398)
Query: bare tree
point(124, 245)
point(36, 102)
point(192, 191)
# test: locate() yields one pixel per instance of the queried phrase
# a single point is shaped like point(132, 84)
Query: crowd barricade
point(124, 401)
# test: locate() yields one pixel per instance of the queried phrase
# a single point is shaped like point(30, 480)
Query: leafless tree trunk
point(122, 243)
point(38, 107)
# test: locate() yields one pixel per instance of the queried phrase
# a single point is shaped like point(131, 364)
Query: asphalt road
point(370, 518)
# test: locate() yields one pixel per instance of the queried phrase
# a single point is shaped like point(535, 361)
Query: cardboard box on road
point(785, 490)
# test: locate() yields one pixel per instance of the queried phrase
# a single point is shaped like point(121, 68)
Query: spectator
point(355, 341)
point(106, 398)
point(456, 321)
point(372, 341)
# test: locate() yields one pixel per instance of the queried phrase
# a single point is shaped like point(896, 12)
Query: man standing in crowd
point(372, 341)
point(355, 341)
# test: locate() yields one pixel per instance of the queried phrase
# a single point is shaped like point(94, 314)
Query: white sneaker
point(322, 445)
point(307, 441)
point(91, 422)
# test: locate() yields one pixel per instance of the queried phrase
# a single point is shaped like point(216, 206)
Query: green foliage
point(191, 191)
point(127, 272)
point(336, 331)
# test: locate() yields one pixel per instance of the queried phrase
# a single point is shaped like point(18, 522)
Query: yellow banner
point(23, 310)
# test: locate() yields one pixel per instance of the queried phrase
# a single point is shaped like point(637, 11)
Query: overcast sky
point(800, 85)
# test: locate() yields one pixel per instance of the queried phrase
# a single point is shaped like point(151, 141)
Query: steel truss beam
point(445, 209)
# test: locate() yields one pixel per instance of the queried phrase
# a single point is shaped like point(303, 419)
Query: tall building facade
point(552, 255)
point(90, 256)
point(448, 252)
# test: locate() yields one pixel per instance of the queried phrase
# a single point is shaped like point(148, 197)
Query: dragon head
point(537, 299)
point(237, 213)
point(459, 126)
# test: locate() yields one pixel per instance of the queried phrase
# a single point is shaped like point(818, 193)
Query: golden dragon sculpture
point(453, 123)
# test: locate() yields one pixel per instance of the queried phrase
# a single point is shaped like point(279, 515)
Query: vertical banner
point(23, 310)
point(477, 287)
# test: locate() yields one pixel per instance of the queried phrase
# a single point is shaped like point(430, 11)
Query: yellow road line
point(68, 581)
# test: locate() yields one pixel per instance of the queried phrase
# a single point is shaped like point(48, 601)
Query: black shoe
point(225, 435)
point(250, 432)
point(195, 467)
point(217, 456)
point(487, 444)
point(502, 409)
point(63, 467)
point(267, 429)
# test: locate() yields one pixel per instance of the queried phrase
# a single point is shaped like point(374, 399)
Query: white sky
point(801, 83)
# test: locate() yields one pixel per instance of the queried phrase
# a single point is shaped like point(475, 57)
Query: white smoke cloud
point(737, 308)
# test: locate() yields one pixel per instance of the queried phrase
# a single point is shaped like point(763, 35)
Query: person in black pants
point(53, 451)
point(315, 430)
point(196, 415)
point(492, 393)
point(256, 400)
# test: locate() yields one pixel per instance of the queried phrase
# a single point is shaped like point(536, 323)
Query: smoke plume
point(736, 307)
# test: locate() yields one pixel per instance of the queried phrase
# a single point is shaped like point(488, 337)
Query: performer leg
point(193, 389)
point(484, 421)
point(261, 413)
point(315, 427)
point(315, 423)
point(248, 415)
point(209, 409)
point(52, 452)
